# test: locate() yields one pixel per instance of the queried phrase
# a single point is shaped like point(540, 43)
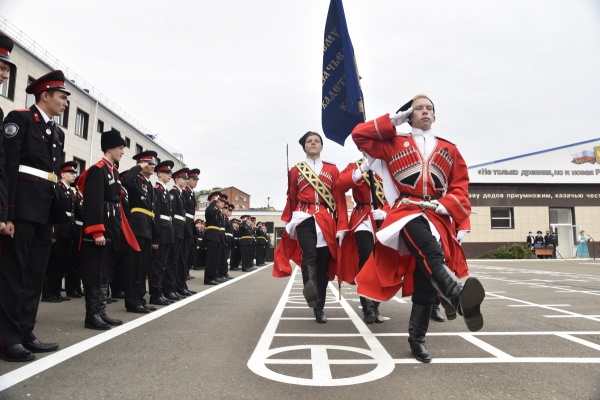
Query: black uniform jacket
point(178, 212)
point(3, 206)
point(141, 204)
point(66, 230)
point(261, 237)
point(214, 222)
point(190, 211)
point(163, 217)
point(228, 232)
point(246, 234)
point(102, 194)
point(29, 141)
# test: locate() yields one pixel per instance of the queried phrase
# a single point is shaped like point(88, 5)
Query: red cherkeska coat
point(361, 194)
point(300, 191)
point(443, 176)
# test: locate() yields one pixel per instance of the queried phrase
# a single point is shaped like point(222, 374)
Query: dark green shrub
point(510, 251)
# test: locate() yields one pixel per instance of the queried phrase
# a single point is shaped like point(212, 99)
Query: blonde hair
point(423, 96)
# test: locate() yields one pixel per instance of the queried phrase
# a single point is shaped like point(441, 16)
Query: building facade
point(551, 190)
point(88, 114)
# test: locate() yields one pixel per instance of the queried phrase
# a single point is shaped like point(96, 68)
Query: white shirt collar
point(315, 165)
point(46, 118)
point(420, 132)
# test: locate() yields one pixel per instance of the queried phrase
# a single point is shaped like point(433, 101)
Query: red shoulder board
point(445, 140)
point(157, 186)
point(22, 110)
point(99, 164)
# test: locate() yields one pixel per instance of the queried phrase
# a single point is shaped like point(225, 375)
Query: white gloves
point(401, 117)
point(440, 208)
point(460, 236)
point(365, 166)
point(340, 236)
point(379, 214)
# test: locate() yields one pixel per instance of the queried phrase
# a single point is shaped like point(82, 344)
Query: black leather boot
point(319, 309)
point(378, 318)
point(436, 315)
point(417, 329)
point(92, 306)
point(102, 311)
point(466, 299)
point(309, 277)
point(448, 309)
point(368, 310)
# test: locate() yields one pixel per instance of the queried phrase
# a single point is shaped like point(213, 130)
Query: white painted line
point(539, 305)
point(493, 360)
point(35, 367)
point(571, 316)
point(312, 319)
point(264, 355)
point(486, 346)
point(580, 341)
point(558, 310)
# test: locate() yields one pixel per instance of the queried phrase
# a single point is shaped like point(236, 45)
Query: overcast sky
point(230, 83)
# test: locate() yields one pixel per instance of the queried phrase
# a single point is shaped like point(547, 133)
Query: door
point(561, 222)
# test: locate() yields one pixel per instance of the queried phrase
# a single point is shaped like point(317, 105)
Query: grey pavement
point(254, 338)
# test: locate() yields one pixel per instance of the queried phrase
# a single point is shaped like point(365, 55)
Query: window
point(138, 148)
point(7, 88)
point(80, 165)
point(502, 218)
point(81, 124)
point(237, 197)
point(127, 142)
point(100, 126)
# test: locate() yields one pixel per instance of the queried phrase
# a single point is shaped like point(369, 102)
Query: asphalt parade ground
point(254, 338)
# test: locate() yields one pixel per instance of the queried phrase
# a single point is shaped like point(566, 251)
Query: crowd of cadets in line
point(64, 256)
point(110, 232)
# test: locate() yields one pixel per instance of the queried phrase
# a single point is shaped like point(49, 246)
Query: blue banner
point(342, 99)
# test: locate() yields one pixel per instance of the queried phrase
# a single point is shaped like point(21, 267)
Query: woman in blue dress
point(582, 248)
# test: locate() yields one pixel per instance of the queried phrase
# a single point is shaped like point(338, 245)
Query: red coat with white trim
point(300, 191)
point(443, 175)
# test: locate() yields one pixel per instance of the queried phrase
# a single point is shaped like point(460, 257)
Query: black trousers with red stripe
point(429, 257)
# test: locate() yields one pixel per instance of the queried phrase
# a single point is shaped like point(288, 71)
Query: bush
point(510, 251)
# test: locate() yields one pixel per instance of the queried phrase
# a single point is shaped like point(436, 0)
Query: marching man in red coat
point(312, 226)
point(358, 243)
point(427, 187)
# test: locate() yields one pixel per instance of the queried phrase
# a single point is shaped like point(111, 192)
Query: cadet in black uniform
point(227, 243)
point(117, 278)
point(213, 239)
point(261, 244)
point(63, 238)
point(72, 279)
point(33, 147)
point(164, 220)
point(234, 262)
point(197, 244)
point(185, 259)
point(142, 204)
point(7, 68)
point(245, 242)
point(176, 195)
point(103, 222)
